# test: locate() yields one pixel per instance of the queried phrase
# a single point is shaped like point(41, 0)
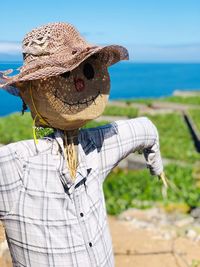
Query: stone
point(152, 215)
point(191, 234)
point(195, 213)
point(183, 222)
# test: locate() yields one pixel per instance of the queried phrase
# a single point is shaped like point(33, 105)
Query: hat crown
point(52, 38)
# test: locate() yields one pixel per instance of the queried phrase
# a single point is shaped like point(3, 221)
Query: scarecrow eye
point(65, 74)
point(88, 71)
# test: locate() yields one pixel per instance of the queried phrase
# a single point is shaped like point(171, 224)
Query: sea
point(128, 80)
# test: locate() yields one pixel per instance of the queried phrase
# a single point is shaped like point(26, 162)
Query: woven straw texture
point(55, 48)
point(60, 104)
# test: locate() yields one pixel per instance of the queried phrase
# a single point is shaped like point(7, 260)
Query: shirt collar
point(86, 153)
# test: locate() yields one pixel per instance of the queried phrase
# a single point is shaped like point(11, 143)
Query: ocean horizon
point(128, 80)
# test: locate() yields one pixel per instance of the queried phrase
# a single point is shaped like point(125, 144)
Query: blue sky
point(153, 31)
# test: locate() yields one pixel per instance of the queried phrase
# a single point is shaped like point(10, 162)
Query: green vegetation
point(125, 189)
point(16, 127)
point(175, 139)
point(129, 112)
point(195, 114)
point(189, 100)
point(93, 124)
point(195, 263)
point(146, 101)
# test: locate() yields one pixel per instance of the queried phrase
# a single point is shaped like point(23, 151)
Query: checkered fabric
point(51, 221)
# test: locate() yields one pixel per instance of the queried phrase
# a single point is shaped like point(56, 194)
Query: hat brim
point(57, 64)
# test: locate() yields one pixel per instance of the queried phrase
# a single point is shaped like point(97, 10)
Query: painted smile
point(87, 101)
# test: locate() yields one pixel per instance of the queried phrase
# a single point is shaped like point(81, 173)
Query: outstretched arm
point(121, 138)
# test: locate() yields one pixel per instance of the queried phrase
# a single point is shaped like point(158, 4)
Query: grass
point(195, 114)
point(125, 189)
point(188, 100)
point(129, 112)
point(93, 124)
point(191, 100)
point(175, 139)
point(16, 127)
point(146, 101)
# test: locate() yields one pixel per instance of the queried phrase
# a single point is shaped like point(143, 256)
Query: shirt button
point(90, 244)
point(81, 214)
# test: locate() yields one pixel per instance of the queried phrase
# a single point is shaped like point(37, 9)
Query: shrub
point(126, 189)
point(129, 112)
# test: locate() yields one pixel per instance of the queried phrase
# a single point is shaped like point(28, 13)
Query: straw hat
point(54, 79)
point(56, 48)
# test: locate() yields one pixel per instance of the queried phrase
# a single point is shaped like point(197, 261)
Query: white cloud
point(171, 53)
point(138, 53)
point(10, 47)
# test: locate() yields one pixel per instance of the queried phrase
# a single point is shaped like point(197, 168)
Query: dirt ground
point(139, 248)
point(142, 248)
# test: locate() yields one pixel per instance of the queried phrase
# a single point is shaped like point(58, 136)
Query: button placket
point(79, 212)
point(84, 229)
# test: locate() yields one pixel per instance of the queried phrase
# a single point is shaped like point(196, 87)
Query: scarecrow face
point(71, 99)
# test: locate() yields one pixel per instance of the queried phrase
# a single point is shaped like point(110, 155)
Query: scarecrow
point(51, 198)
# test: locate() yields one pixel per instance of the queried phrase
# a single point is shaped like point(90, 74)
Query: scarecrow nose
point(79, 84)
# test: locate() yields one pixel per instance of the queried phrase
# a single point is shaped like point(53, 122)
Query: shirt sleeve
point(10, 181)
point(119, 139)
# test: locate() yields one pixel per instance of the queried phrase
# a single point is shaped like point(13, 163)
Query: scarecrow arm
point(121, 138)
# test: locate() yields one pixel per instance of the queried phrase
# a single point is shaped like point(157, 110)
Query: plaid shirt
point(51, 221)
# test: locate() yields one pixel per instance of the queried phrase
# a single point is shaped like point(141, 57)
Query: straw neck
point(71, 136)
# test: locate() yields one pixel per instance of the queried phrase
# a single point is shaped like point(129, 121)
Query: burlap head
point(69, 100)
